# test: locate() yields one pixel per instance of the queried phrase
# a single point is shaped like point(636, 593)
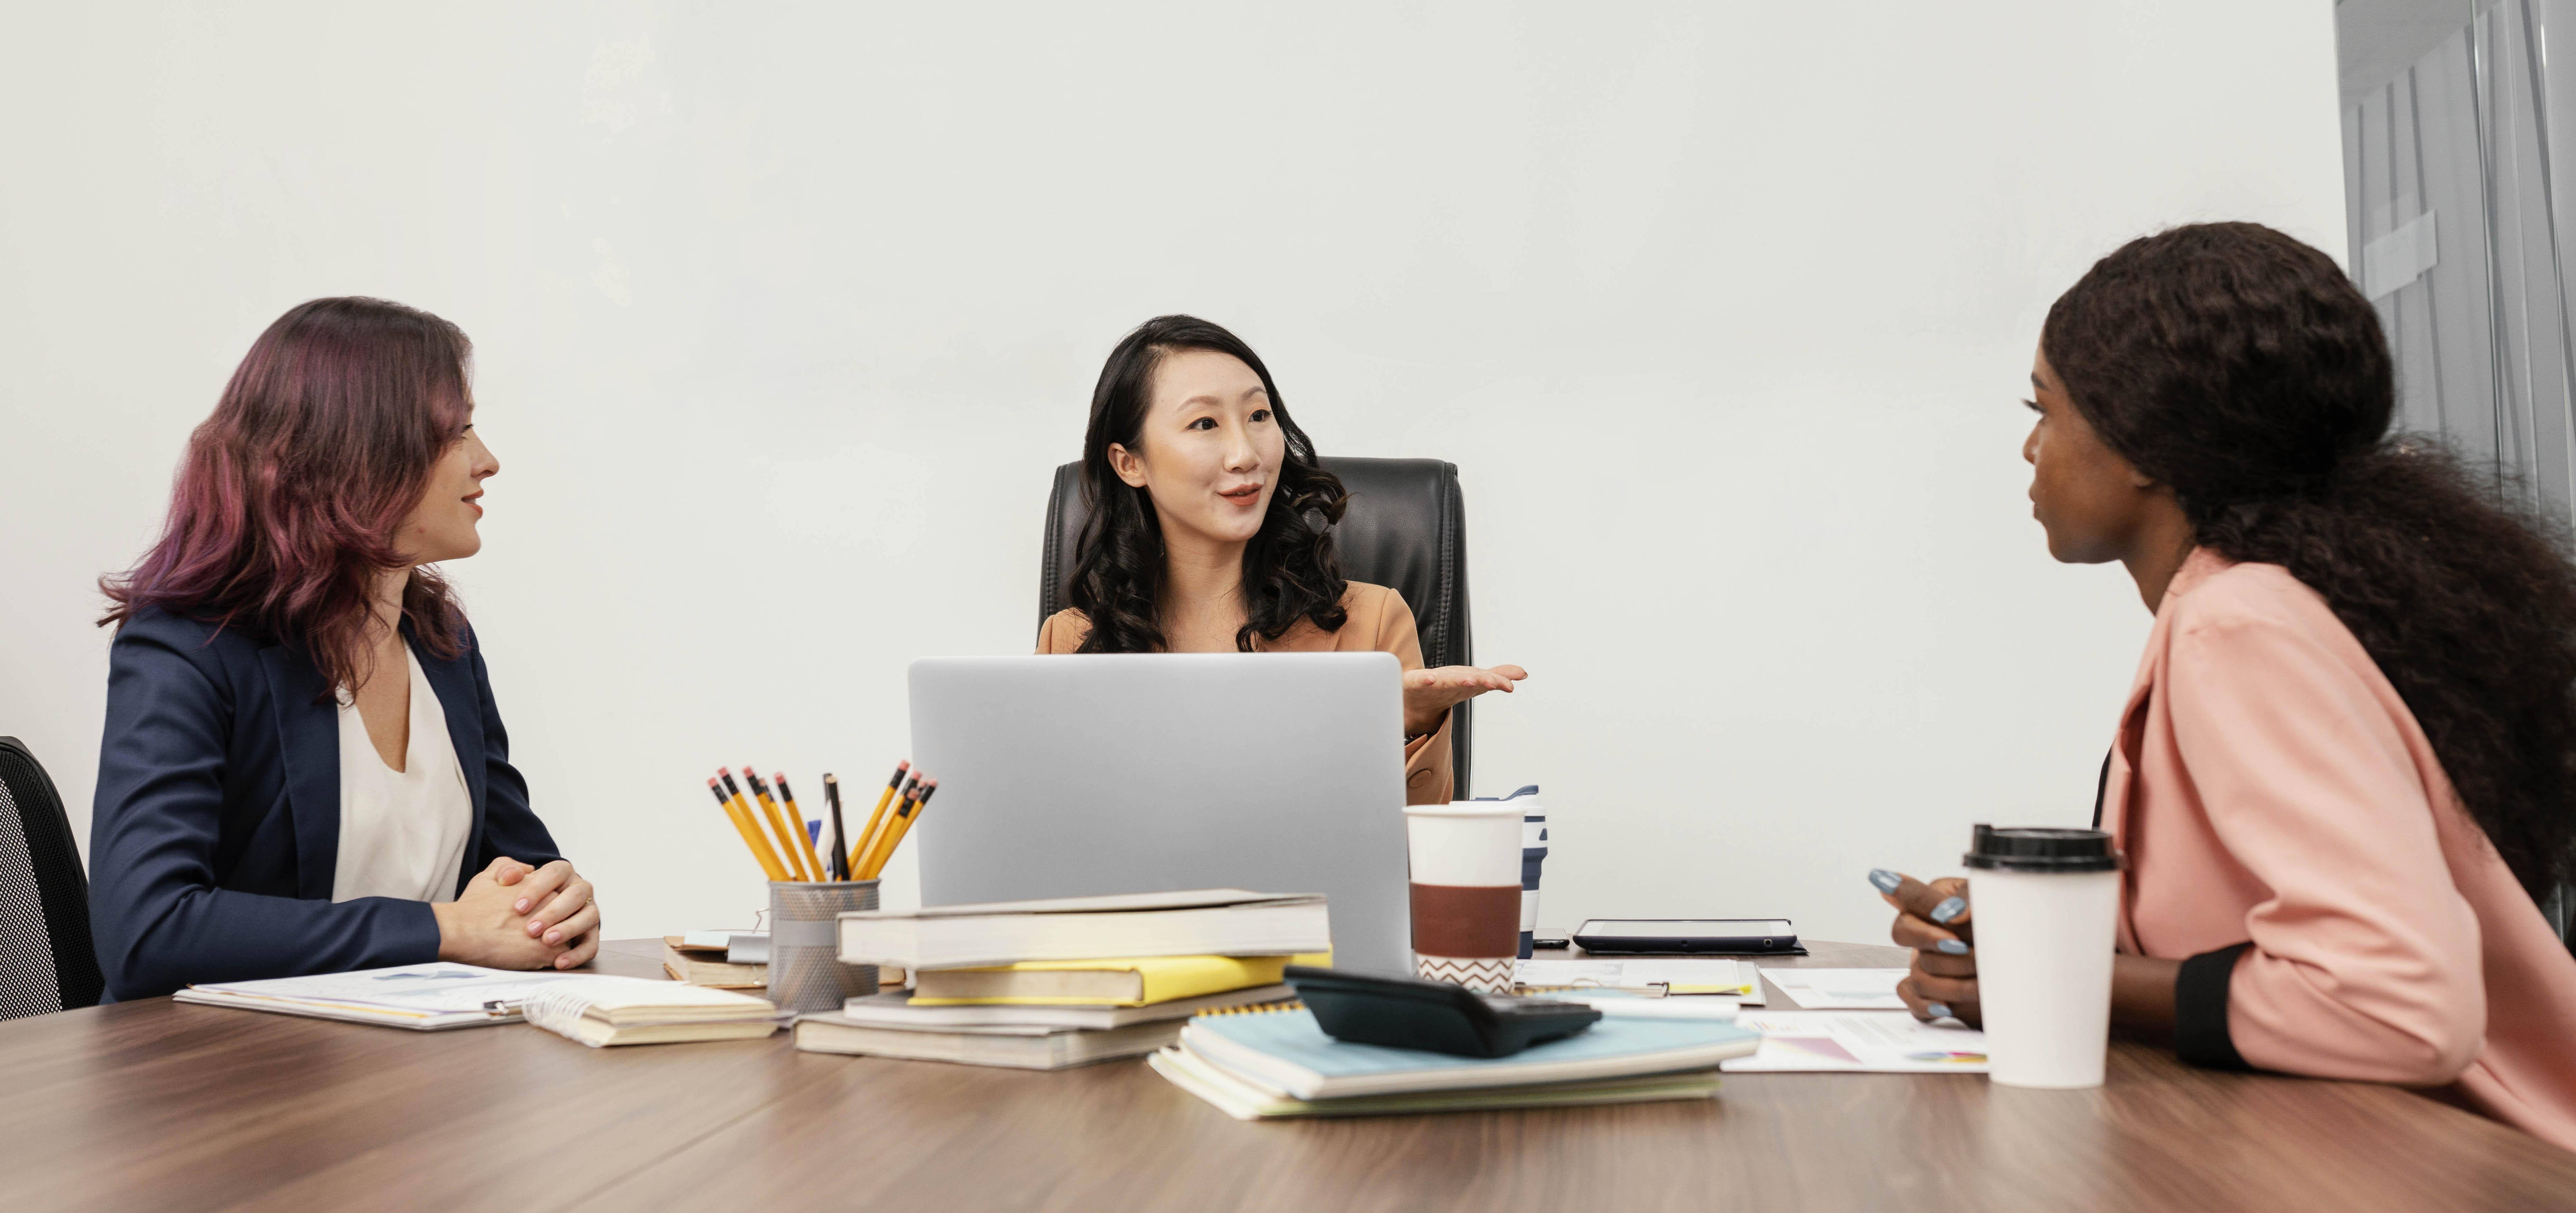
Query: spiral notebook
point(1284, 1052)
point(1244, 1101)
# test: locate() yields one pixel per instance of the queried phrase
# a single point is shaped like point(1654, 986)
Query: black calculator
point(1433, 1016)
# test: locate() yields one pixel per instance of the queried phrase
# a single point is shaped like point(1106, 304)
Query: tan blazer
point(1379, 622)
point(2294, 841)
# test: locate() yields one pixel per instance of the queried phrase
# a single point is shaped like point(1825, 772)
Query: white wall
point(784, 314)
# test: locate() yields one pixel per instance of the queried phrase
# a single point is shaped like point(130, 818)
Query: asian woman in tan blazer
point(2347, 765)
point(1209, 533)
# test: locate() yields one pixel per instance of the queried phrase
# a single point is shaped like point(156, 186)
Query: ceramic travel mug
point(2044, 907)
point(1466, 891)
point(805, 969)
point(1533, 853)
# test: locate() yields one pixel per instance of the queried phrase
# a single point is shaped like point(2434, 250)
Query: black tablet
point(1666, 936)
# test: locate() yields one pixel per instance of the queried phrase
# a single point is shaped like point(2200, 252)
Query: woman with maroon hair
point(303, 769)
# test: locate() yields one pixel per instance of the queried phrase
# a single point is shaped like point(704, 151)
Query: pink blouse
point(2293, 839)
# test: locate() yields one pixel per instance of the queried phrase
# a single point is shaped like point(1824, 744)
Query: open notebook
point(587, 1007)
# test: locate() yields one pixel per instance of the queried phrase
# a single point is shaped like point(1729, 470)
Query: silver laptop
point(1070, 776)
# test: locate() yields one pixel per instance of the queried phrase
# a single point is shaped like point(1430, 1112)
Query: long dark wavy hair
point(2243, 369)
point(1290, 569)
point(288, 499)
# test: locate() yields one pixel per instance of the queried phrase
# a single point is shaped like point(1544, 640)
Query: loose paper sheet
point(1876, 1042)
point(1841, 989)
point(417, 991)
point(1732, 978)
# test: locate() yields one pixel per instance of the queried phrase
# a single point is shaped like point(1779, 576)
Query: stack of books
point(1043, 985)
point(1263, 1063)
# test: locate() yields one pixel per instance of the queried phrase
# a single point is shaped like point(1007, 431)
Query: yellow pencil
point(786, 866)
point(869, 846)
point(898, 827)
point(877, 827)
point(867, 833)
point(804, 837)
point(751, 836)
point(869, 849)
point(778, 822)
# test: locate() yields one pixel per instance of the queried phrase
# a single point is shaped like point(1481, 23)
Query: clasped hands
point(1430, 693)
point(514, 915)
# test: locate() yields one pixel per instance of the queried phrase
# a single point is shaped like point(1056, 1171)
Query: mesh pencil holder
point(805, 969)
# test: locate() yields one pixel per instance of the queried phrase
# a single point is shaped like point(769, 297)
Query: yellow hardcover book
point(1137, 981)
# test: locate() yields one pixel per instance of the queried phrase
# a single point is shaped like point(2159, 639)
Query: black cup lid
point(2039, 849)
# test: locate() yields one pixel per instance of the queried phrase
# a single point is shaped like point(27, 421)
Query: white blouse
point(402, 833)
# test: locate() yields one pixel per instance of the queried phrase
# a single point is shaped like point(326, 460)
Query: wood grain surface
point(159, 1106)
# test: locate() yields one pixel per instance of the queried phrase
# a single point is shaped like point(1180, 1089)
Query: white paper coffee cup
point(1465, 891)
point(2046, 905)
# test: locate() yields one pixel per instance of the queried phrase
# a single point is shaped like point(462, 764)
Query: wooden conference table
point(165, 1107)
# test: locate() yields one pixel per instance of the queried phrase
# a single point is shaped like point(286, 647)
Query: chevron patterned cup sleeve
point(1490, 976)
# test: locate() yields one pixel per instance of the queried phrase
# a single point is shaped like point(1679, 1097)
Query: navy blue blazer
point(216, 831)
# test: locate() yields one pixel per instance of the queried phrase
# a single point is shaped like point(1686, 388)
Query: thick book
point(1133, 981)
point(900, 1011)
point(1286, 1053)
point(1197, 922)
point(1022, 1048)
point(600, 1011)
point(1243, 1101)
point(700, 966)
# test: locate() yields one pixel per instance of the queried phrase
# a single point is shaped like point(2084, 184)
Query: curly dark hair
point(1291, 570)
point(2242, 368)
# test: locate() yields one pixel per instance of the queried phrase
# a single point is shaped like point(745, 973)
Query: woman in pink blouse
point(2347, 767)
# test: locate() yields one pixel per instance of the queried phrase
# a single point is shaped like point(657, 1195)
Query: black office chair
point(2560, 908)
point(1406, 529)
point(46, 963)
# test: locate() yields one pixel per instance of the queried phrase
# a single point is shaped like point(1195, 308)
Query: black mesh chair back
point(1405, 530)
point(46, 963)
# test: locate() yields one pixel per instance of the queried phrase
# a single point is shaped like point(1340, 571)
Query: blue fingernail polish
point(1949, 908)
point(1938, 1010)
point(1953, 947)
point(1885, 880)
